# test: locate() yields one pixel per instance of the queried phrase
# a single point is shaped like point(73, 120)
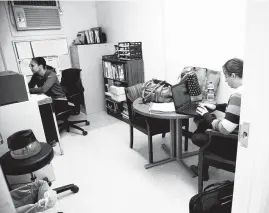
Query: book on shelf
point(87, 36)
point(124, 105)
point(125, 116)
point(114, 71)
point(91, 36)
point(161, 107)
point(125, 112)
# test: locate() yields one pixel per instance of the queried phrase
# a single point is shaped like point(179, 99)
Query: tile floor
point(111, 176)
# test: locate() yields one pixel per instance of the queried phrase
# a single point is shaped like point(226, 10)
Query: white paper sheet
point(161, 107)
point(24, 50)
point(24, 67)
point(54, 62)
point(53, 47)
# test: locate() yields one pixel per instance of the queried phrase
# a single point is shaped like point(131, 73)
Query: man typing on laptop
point(233, 71)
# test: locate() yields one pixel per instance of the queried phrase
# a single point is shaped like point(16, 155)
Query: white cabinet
point(89, 59)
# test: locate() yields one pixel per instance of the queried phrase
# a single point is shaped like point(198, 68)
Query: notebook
point(161, 107)
point(182, 100)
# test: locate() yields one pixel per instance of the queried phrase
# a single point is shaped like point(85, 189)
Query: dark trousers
point(200, 138)
point(60, 106)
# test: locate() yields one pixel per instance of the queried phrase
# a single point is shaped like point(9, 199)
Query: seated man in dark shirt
point(45, 78)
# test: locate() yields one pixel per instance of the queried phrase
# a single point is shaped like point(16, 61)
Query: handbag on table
point(204, 76)
point(193, 86)
point(156, 91)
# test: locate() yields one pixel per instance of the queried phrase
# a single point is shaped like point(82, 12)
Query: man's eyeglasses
point(225, 75)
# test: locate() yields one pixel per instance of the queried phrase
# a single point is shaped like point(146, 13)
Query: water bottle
point(210, 97)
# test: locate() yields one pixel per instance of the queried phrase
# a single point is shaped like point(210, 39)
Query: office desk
point(175, 152)
point(48, 118)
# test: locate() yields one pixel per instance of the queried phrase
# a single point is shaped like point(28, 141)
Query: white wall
point(176, 34)
point(203, 33)
point(136, 21)
point(77, 15)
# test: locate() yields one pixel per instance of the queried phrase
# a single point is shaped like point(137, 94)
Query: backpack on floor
point(216, 198)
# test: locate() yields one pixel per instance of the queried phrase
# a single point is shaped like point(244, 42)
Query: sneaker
point(194, 169)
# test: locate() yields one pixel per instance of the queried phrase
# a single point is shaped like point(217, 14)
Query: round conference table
point(175, 151)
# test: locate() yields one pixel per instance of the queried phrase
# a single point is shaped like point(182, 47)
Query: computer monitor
point(13, 87)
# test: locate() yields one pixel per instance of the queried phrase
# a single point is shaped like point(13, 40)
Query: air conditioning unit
point(36, 15)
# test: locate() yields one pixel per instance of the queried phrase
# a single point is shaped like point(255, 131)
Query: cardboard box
point(119, 98)
point(117, 90)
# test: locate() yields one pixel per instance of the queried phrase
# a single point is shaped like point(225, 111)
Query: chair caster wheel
point(75, 189)
point(87, 123)
point(85, 133)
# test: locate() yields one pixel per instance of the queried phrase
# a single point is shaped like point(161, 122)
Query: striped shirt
point(232, 114)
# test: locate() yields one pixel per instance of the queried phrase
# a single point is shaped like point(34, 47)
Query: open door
point(251, 191)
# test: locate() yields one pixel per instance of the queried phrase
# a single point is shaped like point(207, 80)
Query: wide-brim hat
point(23, 144)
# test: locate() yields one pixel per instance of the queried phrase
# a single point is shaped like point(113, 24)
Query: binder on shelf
point(87, 35)
point(91, 36)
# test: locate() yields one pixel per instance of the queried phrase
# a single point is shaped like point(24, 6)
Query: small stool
point(11, 166)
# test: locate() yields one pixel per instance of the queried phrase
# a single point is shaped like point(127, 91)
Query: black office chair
point(224, 159)
point(72, 86)
point(149, 126)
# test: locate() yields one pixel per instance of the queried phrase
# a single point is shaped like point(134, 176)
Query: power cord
point(12, 18)
point(60, 8)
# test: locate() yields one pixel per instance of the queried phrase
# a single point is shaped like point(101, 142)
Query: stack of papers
point(161, 107)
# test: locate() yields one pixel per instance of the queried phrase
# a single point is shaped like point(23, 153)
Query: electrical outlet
point(244, 134)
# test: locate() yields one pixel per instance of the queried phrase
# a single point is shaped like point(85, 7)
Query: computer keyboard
point(188, 107)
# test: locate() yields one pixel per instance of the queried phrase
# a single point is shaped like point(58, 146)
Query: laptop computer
point(182, 100)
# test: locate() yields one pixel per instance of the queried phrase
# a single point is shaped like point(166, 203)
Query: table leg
point(173, 135)
point(171, 153)
point(180, 155)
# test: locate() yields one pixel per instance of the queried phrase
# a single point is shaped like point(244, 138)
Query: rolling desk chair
point(72, 86)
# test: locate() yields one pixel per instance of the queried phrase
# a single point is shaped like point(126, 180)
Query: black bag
point(156, 91)
point(216, 198)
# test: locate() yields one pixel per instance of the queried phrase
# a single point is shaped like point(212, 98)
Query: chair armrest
point(63, 113)
point(212, 132)
point(228, 141)
point(73, 97)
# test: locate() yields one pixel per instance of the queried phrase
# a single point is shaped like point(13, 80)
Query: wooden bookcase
point(123, 73)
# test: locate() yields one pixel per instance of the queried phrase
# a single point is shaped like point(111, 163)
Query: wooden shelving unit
point(122, 73)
